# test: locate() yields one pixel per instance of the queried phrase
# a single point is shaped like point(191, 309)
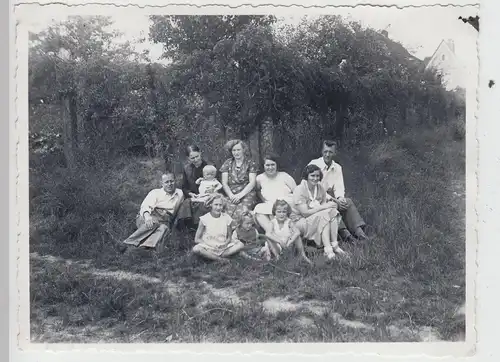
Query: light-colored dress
point(207, 187)
point(274, 188)
point(312, 226)
point(215, 237)
point(283, 233)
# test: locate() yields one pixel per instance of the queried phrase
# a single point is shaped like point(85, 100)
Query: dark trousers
point(351, 219)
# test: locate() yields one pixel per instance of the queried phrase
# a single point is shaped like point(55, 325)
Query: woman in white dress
point(272, 185)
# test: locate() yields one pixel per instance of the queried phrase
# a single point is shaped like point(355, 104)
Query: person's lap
point(149, 237)
point(221, 252)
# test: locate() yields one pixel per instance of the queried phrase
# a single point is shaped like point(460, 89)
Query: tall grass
point(412, 269)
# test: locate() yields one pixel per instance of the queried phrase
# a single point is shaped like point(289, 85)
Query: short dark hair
point(279, 203)
point(329, 143)
point(309, 169)
point(192, 148)
point(271, 156)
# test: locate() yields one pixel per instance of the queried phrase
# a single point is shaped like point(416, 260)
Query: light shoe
point(329, 254)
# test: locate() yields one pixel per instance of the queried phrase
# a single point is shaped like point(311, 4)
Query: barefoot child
point(246, 233)
point(284, 232)
point(213, 237)
point(207, 185)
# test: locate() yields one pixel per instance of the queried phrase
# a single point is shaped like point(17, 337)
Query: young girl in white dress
point(284, 232)
point(213, 237)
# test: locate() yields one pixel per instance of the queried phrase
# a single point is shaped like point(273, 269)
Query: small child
point(213, 237)
point(246, 233)
point(208, 184)
point(284, 232)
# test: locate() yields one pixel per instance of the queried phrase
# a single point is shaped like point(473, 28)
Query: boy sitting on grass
point(246, 233)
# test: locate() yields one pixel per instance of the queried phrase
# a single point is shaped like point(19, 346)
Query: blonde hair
point(209, 169)
point(282, 203)
point(218, 197)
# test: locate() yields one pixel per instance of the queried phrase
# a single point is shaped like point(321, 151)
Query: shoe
point(360, 234)
point(330, 255)
point(346, 236)
point(122, 248)
point(339, 251)
point(349, 239)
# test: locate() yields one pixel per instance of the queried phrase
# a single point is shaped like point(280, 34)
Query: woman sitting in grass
point(213, 237)
point(271, 185)
point(315, 214)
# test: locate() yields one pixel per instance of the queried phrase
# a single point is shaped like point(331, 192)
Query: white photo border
point(19, 224)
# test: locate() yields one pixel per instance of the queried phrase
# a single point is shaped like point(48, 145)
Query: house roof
point(443, 43)
point(397, 50)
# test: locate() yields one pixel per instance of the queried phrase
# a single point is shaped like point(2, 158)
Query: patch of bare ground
point(276, 305)
point(201, 299)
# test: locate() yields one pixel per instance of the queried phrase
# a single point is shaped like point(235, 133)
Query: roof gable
point(442, 49)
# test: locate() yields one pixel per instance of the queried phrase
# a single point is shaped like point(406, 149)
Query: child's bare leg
point(297, 240)
point(274, 248)
point(200, 250)
point(247, 256)
point(233, 249)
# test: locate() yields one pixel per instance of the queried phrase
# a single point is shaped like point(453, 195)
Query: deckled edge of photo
point(5, 77)
point(20, 253)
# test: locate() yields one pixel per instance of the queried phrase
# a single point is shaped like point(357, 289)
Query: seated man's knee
point(162, 227)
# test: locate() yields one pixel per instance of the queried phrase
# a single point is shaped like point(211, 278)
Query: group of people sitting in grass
point(234, 210)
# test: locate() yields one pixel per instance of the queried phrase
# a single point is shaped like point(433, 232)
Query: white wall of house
point(446, 63)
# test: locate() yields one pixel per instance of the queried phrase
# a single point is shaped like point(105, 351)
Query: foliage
point(228, 76)
point(112, 87)
point(403, 138)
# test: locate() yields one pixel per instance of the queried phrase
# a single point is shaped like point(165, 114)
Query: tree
point(80, 64)
point(243, 72)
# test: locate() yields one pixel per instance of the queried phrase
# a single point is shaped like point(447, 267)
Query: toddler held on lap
point(207, 185)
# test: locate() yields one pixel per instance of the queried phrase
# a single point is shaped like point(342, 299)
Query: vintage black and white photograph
point(249, 178)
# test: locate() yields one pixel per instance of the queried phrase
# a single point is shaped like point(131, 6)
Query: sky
point(420, 29)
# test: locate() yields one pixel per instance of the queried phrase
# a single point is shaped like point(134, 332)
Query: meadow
point(407, 283)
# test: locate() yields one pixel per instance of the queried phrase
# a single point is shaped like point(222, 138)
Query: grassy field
point(405, 284)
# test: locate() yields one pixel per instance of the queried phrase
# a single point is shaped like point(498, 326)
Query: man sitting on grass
point(157, 214)
point(333, 182)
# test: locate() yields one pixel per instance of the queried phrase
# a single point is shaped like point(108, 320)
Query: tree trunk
point(340, 124)
point(70, 129)
point(254, 144)
point(266, 136)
